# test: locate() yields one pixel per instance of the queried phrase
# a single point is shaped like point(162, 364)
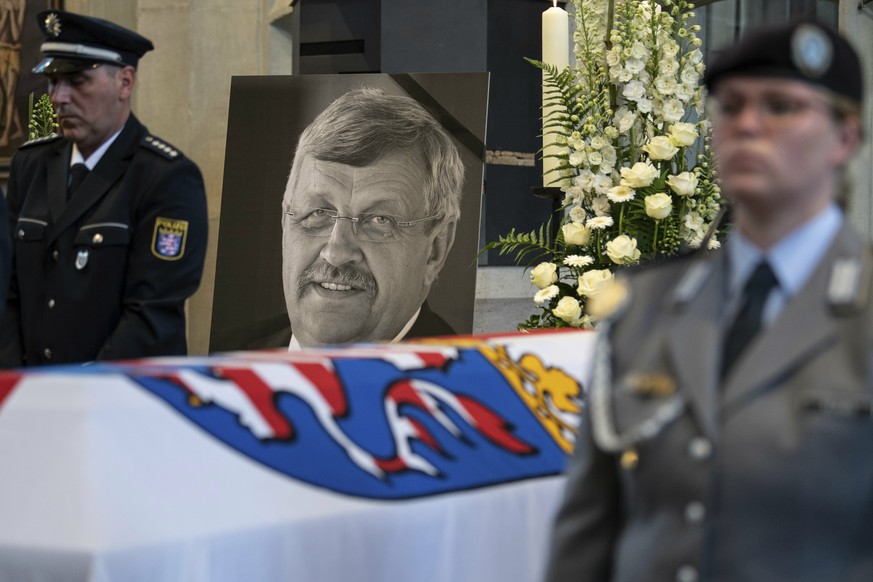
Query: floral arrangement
point(634, 162)
point(42, 121)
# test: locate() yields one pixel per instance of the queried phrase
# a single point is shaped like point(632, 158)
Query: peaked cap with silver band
point(74, 43)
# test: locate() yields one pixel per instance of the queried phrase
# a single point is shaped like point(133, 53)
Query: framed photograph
point(266, 117)
point(20, 39)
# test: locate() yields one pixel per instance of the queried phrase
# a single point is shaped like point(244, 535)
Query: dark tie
point(748, 320)
point(78, 173)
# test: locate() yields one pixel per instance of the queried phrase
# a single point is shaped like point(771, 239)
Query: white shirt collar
point(295, 346)
point(76, 157)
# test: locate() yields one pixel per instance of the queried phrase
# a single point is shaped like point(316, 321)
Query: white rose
point(622, 250)
point(546, 295)
point(660, 148)
point(683, 134)
point(659, 206)
point(575, 233)
point(569, 310)
point(544, 274)
point(593, 282)
point(642, 174)
point(683, 184)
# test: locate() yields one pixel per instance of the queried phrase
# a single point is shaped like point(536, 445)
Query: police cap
point(74, 42)
point(806, 51)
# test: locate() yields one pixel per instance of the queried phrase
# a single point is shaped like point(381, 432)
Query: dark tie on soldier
point(748, 321)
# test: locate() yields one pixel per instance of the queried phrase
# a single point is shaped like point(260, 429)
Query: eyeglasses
point(775, 112)
point(367, 227)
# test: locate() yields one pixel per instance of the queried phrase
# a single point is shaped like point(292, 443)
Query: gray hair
point(364, 125)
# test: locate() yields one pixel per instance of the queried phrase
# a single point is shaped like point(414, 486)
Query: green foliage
point(42, 120)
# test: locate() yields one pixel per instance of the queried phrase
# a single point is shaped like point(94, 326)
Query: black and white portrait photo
point(350, 209)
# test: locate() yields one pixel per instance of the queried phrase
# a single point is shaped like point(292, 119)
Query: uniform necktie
point(78, 173)
point(748, 320)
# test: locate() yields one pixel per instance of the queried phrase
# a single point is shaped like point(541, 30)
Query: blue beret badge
point(811, 50)
point(168, 242)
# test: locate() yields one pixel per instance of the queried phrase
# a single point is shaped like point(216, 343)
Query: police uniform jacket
point(105, 275)
point(765, 476)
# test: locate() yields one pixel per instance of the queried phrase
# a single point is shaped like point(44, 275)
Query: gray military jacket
point(765, 476)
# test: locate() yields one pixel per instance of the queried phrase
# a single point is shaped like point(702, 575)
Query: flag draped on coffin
point(390, 461)
point(381, 421)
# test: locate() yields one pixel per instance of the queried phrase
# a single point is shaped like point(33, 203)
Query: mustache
point(342, 275)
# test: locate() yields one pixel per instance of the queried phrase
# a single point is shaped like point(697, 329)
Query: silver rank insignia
point(82, 259)
point(811, 50)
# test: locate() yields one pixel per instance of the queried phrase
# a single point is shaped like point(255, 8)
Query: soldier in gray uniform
point(109, 222)
point(728, 433)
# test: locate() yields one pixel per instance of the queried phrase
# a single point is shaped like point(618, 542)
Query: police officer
point(729, 424)
point(109, 222)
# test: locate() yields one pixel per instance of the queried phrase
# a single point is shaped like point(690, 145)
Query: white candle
point(556, 51)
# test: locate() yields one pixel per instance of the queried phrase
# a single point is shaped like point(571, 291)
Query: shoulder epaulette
point(161, 147)
point(40, 140)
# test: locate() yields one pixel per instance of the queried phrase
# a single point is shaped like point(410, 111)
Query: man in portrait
point(368, 218)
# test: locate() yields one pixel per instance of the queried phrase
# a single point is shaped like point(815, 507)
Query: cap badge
point(53, 24)
point(811, 50)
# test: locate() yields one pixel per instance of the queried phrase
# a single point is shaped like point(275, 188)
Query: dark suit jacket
point(428, 324)
point(106, 275)
point(768, 476)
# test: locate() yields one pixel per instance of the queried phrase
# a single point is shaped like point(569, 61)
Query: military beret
point(805, 51)
point(74, 42)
